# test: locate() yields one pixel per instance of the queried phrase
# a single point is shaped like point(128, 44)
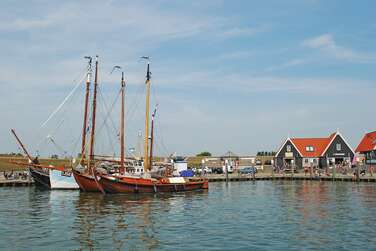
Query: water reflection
point(245, 215)
point(129, 219)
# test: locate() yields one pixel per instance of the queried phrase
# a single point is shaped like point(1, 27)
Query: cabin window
point(288, 148)
point(309, 148)
point(338, 147)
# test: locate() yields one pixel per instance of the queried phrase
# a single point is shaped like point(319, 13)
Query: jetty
point(16, 183)
point(236, 177)
point(15, 179)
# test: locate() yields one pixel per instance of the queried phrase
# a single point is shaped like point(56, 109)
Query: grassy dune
point(5, 164)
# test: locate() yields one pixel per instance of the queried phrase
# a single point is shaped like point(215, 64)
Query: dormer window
point(310, 148)
point(288, 148)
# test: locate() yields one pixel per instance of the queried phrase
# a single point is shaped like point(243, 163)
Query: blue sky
point(227, 75)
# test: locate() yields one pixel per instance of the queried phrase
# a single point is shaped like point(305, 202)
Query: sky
point(226, 75)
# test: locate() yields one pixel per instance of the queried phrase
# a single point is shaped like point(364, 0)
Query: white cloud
point(328, 45)
point(290, 63)
point(241, 32)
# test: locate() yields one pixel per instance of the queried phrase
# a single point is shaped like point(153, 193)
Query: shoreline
point(235, 178)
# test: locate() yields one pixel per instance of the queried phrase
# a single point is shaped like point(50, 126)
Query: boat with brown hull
point(114, 184)
point(85, 181)
point(123, 183)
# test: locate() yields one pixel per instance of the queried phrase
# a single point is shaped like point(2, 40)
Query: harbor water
point(259, 215)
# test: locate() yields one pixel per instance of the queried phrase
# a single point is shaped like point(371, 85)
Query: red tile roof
point(319, 145)
point(368, 143)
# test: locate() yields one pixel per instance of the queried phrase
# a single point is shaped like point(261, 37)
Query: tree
point(204, 154)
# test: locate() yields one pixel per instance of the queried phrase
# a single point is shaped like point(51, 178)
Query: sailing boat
point(125, 183)
point(85, 176)
point(46, 176)
point(50, 176)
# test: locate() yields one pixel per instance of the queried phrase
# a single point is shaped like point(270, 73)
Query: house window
point(309, 148)
point(288, 148)
point(338, 147)
point(315, 161)
point(306, 161)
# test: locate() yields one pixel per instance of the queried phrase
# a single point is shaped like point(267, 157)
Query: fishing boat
point(123, 182)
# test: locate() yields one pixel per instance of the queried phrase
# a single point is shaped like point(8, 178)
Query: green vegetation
point(6, 165)
point(204, 154)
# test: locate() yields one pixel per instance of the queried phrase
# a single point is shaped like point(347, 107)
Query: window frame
point(288, 148)
point(338, 147)
point(310, 148)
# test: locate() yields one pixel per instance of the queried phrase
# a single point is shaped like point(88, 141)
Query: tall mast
point(22, 146)
point(92, 132)
point(89, 71)
point(152, 137)
point(122, 155)
point(146, 147)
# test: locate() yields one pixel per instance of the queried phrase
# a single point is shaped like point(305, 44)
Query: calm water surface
point(258, 215)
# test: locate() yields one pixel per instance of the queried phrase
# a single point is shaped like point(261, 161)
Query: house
point(367, 146)
point(316, 152)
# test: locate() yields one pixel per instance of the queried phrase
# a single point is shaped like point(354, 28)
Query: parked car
point(230, 169)
point(217, 170)
point(248, 170)
point(207, 170)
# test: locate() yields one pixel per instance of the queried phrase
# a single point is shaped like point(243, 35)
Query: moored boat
point(125, 183)
point(46, 176)
point(40, 176)
point(128, 184)
point(84, 175)
point(85, 181)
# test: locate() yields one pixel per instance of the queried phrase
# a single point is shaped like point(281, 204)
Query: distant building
point(180, 164)
point(367, 146)
point(316, 152)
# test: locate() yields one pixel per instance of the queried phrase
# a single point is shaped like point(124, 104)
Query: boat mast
point(152, 136)
point(92, 132)
point(89, 71)
point(122, 154)
point(22, 146)
point(146, 147)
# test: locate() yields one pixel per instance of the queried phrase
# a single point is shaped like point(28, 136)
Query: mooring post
point(292, 169)
point(370, 167)
point(357, 174)
point(226, 169)
point(334, 172)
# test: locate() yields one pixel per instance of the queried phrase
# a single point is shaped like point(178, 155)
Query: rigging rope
point(108, 112)
point(107, 117)
point(64, 101)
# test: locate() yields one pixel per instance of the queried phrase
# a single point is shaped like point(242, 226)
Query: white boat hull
point(62, 180)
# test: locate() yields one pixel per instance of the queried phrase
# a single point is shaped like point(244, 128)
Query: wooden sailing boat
point(124, 183)
point(85, 176)
point(46, 176)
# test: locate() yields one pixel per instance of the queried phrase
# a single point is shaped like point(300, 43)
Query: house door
point(288, 163)
point(338, 161)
